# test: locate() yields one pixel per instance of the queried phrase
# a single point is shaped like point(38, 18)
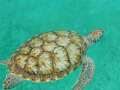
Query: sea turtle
point(50, 56)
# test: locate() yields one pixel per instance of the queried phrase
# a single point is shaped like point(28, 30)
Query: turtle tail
point(5, 61)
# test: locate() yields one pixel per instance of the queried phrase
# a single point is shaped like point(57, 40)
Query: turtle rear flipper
point(86, 74)
point(5, 61)
point(11, 81)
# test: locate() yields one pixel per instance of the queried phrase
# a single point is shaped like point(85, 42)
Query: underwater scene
point(22, 19)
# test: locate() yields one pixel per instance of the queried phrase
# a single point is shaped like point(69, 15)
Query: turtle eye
point(96, 34)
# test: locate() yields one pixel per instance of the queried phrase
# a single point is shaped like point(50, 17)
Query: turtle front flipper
point(5, 61)
point(86, 74)
point(11, 81)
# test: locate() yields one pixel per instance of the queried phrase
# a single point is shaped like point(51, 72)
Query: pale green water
point(22, 19)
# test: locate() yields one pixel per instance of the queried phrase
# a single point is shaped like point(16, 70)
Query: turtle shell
point(48, 56)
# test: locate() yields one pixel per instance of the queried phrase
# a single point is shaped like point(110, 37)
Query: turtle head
point(96, 34)
point(93, 37)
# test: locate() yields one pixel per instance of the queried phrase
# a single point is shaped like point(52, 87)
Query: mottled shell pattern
point(48, 56)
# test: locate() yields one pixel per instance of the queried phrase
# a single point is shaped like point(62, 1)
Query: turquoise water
point(22, 19)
